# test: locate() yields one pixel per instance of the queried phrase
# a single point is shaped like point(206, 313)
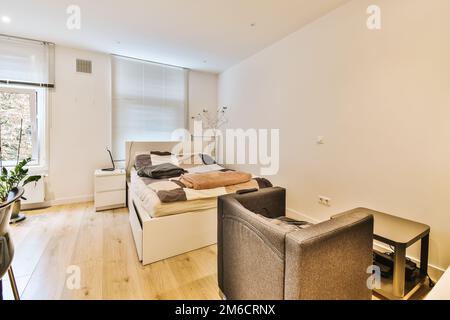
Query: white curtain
point(149, 102)
point(27, 62)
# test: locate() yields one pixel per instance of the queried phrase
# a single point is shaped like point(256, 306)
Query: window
point(20, 125)
point(27, 62)
point(26, 73)
point(149, 102)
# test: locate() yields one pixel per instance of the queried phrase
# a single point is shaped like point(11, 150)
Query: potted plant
point(11, 180)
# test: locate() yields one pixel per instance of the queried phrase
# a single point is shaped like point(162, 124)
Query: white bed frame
point(161, 238)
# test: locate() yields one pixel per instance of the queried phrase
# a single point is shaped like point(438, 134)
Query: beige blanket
point(174, 190)
point(216, 179)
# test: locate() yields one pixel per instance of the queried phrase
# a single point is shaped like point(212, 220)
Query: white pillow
point(205, 168)
point(157, 160)
point(190, 159)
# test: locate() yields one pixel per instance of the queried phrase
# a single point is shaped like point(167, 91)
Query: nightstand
point(110, 189)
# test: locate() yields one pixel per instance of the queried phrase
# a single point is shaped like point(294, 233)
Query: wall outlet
point(325, 201)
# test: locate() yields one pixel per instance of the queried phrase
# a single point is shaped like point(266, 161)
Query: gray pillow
point(207, 159)
point(143, 160)
point(162, 171)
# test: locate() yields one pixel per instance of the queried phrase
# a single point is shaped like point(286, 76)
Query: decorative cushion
point(163, 157)
point(190, 160)
point(207, 159)
point(142, 160)
point(162, 171)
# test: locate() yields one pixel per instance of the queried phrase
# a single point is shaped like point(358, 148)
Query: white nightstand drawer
point(110, 183)
point(110, 199)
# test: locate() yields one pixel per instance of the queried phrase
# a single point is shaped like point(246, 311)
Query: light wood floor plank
point(100, 244)
point(102, 247)
point(120, 265)
point(49, 276)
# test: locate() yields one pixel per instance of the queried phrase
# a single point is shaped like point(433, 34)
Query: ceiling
point(208, 35)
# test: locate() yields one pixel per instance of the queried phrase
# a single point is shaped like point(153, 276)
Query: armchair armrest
point(330, 260)
point(268, 202)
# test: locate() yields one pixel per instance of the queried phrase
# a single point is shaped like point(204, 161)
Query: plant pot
point(5, 213)
point(16, 216)
point(6, 210)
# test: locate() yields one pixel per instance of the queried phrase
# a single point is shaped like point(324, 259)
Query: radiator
point(35, 192)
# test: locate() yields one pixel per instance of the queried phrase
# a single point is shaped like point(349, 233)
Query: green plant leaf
point(31, 179)
point(13, 178)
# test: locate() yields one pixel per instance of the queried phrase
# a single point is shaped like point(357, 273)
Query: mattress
point(156, 209)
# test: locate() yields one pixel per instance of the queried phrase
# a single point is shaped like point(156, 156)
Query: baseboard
point(434, 271)
point(59, 202)
point(300, 216)
point(71, 200)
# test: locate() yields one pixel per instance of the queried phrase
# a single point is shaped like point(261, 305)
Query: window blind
point(27, 62)
point(149, 102)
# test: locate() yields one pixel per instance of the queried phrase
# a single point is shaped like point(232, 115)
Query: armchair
point(260, 260)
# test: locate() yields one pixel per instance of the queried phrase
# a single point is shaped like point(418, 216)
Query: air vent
point(84, 66)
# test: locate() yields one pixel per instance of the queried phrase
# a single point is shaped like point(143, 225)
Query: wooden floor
point(50, 241)
point(100, 244)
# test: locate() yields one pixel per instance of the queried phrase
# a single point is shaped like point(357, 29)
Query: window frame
point(145, 74)
point(37, 114)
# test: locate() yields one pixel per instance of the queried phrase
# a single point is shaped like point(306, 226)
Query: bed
point(153, 206)
point(161, 230)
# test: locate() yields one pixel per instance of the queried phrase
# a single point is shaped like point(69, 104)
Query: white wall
point(203, 89)
point(80, 119)
point(380, 98)
point(80, 122)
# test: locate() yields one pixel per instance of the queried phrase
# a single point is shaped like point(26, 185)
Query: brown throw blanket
point(174, 190)
point(216, 179)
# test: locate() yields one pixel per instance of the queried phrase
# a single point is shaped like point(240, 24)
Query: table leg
point(12, 280)
point(399, 271)
point(424, 248)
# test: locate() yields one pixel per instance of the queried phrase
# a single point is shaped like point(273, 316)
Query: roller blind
point(149, 102)
point(27, 62)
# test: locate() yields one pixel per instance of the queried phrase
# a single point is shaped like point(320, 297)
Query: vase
point(16, 216)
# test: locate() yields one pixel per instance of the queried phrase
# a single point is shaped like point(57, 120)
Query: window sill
point(38, 170)
point(33, 170)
